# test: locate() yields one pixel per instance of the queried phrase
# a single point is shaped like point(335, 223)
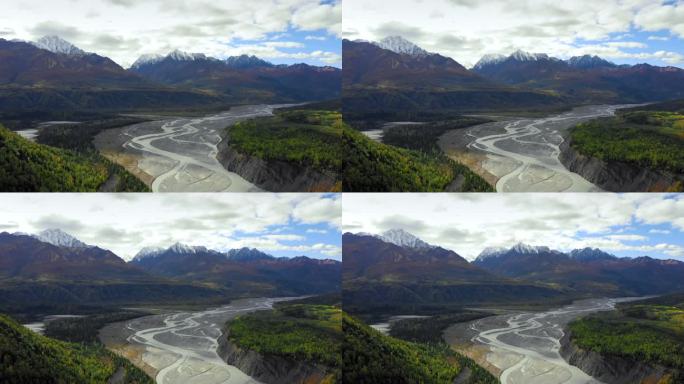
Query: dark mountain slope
point(587, 271)
point(244, 272)
point(34, 79)
point(378, 81)
point(380, 277)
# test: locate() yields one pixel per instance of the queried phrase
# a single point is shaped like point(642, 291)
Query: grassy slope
point(371, 357)
point(651, 137)
point(649, 331)
point(26, 357)
point(303, 332)
point(305, 137)
point(375, 167)
point(29, 167)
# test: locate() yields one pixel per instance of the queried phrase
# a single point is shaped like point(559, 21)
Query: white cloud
point(467, 223)
point(318, 38)
point(465, 30)
point(659, 38)
point(660, 231)
point(123, 31)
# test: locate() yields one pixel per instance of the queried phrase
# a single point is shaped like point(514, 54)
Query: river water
point(180, 153)
point(523, 152)
point(182, 347)
point(525, 346)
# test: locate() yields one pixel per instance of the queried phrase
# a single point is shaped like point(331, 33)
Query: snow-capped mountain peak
point(400, 45)
point(403, 239)
point(521, 55)
point(56, 44)
point(149, 252)
point(60, 238)
point(588, 254)
point(148, 58)
point(527, 249)
point(184, 248)
point(492, 252)
point(490, 58)
point(185, 56)
point(588, 61)
point(246, 61)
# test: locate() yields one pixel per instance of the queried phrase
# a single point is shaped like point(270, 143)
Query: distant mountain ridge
point(52, 74)
point(54, 268)
point(587, 270)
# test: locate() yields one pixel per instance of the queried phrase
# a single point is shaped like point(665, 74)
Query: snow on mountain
point(521, 55)
point(490, 58)
point(492, 252)
point(590, 254)
point(185, 56)
point(148, 58)
point(588, 61)
point(518, 249)
point(60, 238)
point(56, 44)
point(149, 252)
point(177, 248)
point(246, 61)
point(403, 239)
point(247, 254)
point(400, 45)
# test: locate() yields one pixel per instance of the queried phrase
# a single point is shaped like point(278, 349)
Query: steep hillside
point(299, 341)
point(375, 167)
point(29, 167)
point(371, 357)
point(31, 358)
point(34, 79)
point(379, 81)
point(639, 342)
point(384, 278)
point(639, 149)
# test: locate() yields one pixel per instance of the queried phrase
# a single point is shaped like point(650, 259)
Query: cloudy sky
point(281, 31)
point(624, 31)
point(626, 225)
point(279, 224)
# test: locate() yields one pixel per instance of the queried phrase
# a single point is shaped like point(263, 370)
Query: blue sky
point(312, 47)
point(465, 30)
point(291, 224)
point(623, 224)
point(123, 30)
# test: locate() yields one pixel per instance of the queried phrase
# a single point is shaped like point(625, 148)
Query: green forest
point(646, 138)
point(26, 166)
point(650, 331)
point(27, 357)
point(304, 137)
point(371, 357)
point(375, 167)
point(302, 332)
point(423, 137)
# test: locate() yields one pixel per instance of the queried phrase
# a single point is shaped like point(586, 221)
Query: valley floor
point(521, 154)
point(523, 347)
point(181, 347)
point(179, 154)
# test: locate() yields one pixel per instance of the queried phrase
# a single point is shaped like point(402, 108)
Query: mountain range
point(52, 74)
point(377, 80)
point(394, 76)
point(53, 265)
point(389, 273)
